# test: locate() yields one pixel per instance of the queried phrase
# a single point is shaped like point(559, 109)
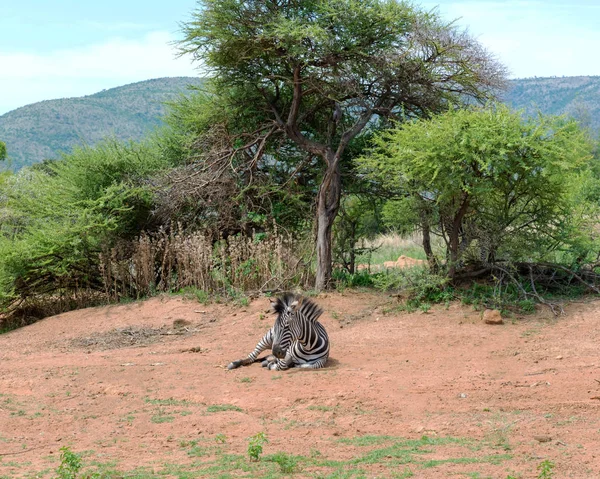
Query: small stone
point(492, 316)
point(559, 357)
point(462, 395)
point(181, 323)
point(542, 438)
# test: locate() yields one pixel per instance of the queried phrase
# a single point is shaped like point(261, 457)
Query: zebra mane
point(306, 307)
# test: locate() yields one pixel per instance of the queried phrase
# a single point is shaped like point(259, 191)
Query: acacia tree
point(320, 72)
point(487, 174)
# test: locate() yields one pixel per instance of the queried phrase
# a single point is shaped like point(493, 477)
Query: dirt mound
point(434, 395)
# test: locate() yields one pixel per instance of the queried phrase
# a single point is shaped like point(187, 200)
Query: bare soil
point(143, 385)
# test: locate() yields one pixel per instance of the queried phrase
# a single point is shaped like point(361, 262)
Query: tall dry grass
point(166, 262)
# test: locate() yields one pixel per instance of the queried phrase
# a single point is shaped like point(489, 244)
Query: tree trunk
point(454, 236)
point(453, 247)
point(433, 266)
point(328, 203)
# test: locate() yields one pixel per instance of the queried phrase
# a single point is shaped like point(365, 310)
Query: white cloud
point(531, 37)
point(26, 78)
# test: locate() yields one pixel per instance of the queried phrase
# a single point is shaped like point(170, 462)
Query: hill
point(43, 130)
point(576, 96)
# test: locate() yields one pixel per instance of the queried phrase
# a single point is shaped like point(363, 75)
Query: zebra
point(296, 338)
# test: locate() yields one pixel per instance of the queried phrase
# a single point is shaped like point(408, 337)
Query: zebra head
point(293, 314)
point(284, 307)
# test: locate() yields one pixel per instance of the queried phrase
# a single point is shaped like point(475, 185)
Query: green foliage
point(349, 280)
point(2, 151)
point(418, 287)
point(255, 445)
point(495, 296)
point(70, 464)
point(288, 464)
point(545, 469)
point(317, 73)
point(56, 218)
point(223, 407)
point(486, 178)
point(357, 221)
point(191, 292)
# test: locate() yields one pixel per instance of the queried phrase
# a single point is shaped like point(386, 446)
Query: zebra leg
point(320, 363)
point(282, 364)
point(267, 361)
point(265, 343)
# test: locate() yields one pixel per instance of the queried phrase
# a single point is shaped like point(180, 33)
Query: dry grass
point(171, 262)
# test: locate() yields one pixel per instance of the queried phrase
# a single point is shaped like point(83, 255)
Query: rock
point(181, 323)
point(542, 438)
point(492, 316)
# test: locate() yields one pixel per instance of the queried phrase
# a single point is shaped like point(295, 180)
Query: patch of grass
point(160, 417)
point(396, 458)
point(366, 440)
point(246, 380)
point(223, 407)
point(390, 246)
point(288, 463)
point(191, 292)
point(320, 408)
point(167, 402)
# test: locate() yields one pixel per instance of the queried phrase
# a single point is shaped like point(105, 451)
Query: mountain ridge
point(42, 130)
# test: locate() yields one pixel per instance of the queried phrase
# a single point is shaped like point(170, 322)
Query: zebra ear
point(293, 306)
point(277, 306)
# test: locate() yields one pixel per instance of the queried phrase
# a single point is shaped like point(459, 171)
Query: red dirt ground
point(100, 380)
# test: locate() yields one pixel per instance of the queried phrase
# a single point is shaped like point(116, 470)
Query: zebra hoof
point(234, 365)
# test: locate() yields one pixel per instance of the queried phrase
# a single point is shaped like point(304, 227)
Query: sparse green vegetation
point(545, 469)
point(161, 417)
point(70, 464)
point(223, 407)
point(255, 445)
point(396, 457)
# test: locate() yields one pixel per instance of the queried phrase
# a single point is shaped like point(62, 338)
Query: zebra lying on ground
point(296, 338)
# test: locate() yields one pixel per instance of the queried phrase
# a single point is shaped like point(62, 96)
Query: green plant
point(472, 168)
point(160, 417)
point(545, 469)
point(329, 110)
point(417, 286)
point(223, 407)
point(288, 463)
point(70, 464)
point(191, 292)
point(255, 445)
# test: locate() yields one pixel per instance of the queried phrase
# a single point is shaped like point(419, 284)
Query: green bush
point(57, 216)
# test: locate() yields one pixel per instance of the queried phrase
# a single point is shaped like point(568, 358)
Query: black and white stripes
point(296, 339)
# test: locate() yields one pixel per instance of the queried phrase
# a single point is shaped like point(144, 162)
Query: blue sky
point(65, 48)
